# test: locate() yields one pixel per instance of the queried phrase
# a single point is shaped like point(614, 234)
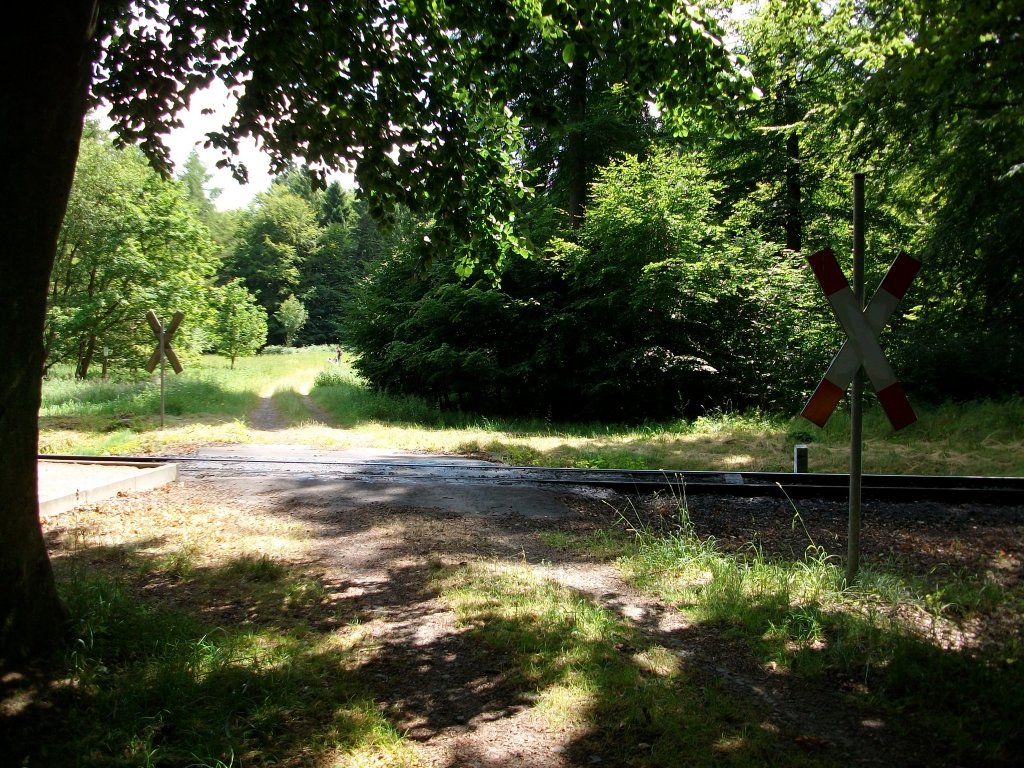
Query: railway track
point(1006, 491)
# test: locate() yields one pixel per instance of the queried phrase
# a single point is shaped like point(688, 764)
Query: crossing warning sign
point(163, 341)
point(861, 347)
point(163, 350)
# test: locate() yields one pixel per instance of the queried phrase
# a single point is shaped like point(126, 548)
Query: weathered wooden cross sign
point(163, 350)
point(861, 348)
point(163, 341)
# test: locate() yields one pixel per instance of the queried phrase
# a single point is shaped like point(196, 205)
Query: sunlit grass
point(157, 684)
point(198, 640)
point(905, 641)
point(625, 699)
point(214, 404)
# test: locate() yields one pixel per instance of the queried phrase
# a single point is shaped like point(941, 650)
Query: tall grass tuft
point(352, 403)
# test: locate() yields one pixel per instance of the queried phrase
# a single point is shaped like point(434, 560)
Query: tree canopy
point(241, 323)
point(924, 100)
point(274, 239)
point(415, 94)
point(130, 243)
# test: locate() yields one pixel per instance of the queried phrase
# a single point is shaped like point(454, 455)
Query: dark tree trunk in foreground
point(46, 68)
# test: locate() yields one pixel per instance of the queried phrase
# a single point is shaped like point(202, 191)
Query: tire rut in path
point(267, 417)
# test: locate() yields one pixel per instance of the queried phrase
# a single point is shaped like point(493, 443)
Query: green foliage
point(275, 349)
point(665, 310)
point(638, 701)
point(651, 315)
point(310, 246)
point(274, 240)
point(157, 684)
point(241, 326)
point(130, 243)
point(795, 614)
point(194, 178)
point(292, 315)
point(438, 81)
point(782, 171)
point(649, 311)
point(941, 115)
point(924, 97)
point(349, 240)
point(352, 404)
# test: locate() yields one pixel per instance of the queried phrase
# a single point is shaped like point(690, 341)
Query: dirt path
point(454, 698)
point(268, 417)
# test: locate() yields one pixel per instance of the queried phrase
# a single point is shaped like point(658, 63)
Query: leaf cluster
point(414, 96)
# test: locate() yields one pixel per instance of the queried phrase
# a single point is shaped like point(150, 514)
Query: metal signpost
point(860, 350)
point(163, 350)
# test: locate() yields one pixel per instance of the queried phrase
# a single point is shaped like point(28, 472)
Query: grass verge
point(215, 404)
point(906, 647)
point(175, 663)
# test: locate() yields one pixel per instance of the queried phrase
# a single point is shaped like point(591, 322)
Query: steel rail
point(945, 488)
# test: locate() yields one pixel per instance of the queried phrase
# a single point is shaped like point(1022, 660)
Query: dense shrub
point(648, 310)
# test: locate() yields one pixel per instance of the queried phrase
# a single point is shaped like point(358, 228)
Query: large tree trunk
point(46, 69)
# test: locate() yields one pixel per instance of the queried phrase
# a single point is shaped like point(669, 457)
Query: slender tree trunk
point(791, 209)
point(45, 66)
point(86, 353)
point(794, 221)
point(576, 141)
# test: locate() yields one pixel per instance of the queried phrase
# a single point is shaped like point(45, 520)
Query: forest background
point(665, 274)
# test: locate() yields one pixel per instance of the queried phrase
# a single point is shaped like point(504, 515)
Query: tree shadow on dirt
point(272, 662)
point(442, 681)
point(259, 660)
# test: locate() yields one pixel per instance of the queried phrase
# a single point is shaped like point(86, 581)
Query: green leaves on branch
point(651, 311)
point(130, 243)
point(292, 315)
point(276, 238)
point(414, 96)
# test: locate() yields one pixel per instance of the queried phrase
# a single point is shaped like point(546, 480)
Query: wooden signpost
point(163, 350)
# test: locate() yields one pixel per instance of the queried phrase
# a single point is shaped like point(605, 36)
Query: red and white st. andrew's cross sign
point(861, 347)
